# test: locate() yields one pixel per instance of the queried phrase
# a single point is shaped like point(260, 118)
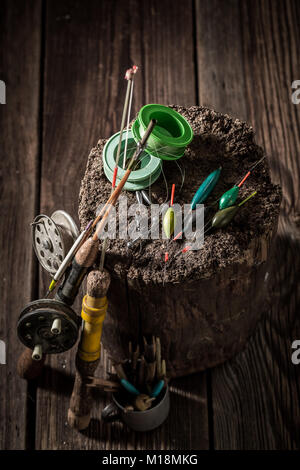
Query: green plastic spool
point(170, 136)
point(149, 166)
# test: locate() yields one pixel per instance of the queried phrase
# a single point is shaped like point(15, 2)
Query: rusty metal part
point(35, 323)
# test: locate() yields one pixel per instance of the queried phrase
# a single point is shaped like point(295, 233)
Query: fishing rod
point(101, 218)
point(129, 76)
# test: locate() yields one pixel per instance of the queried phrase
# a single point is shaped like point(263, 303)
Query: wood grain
point(87, 52)
point(255, 396)
point(19, 153)
point(247, 57)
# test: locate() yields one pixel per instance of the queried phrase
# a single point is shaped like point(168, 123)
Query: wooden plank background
point(63, 64)
point(20, 154)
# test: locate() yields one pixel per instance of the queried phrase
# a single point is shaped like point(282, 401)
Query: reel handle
point(81, 399)
point(94, 306)
point(28, 368)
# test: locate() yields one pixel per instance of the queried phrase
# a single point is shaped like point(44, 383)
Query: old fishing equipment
point(51, 326)
point(129, 76)
point(220, 220)
point(157, 388)
point(226, 200)
point(47, 326)
point(169, 217)
point(140, 178)
point(52, 237)
point(89, 248)
point(199, 197)
point(223, 217)
point(155, 220)
point(94, 307)
point(142, 376)
point(171, 136)
point(169, 226)
point(206, 188)
point(112, 200)
point(229, 198)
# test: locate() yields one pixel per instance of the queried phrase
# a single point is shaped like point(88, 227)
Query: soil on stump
point(211, 299)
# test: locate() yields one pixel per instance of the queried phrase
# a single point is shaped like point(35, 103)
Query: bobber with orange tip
point(94, 306)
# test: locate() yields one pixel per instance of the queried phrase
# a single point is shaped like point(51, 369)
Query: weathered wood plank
point(219, 54)
point(87, 51)
point(20, 39)
point(255, 395)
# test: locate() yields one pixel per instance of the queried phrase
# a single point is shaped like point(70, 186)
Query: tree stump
point(211, 299)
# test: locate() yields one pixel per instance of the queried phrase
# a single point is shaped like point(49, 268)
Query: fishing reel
point(52, 237)
point(48, 326)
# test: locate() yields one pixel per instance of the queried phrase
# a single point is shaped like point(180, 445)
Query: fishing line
point(145, 166)
point(250, 171)
point(172, 132)
point(166, 183)
point(123, 121)
point(182, 172)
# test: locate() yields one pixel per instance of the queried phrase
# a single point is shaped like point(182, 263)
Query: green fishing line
point(171, 134)
point(148, 168)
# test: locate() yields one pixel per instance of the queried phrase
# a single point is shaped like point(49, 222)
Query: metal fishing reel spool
point(48, 326)
point(52, 237)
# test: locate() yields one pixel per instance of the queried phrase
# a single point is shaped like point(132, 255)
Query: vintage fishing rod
point(106, 209)
point(130, 79)
point(87, 252)
point(94, 307)
point(114, 197)
point(129, 76)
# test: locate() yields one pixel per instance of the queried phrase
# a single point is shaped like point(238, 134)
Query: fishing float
point(169, 224)
point(200, 196)
point(221, 219)
point(226, 200)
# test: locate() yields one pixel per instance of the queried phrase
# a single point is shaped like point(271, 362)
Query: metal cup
point(139, 420)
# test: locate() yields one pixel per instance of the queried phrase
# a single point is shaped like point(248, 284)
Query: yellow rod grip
point(93, 313)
